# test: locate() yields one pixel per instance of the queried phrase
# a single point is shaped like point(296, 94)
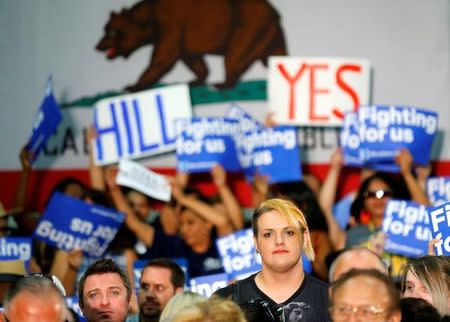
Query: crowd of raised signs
point(401, 210)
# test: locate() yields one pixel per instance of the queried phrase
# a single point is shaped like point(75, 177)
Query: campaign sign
point(45, 123)
point(406, 225)
point(73, 303)
point(440, 228)
point(136, 176)
point(273, 152)
point(15, 248)
point(385, 129)
point(138, 267)
point(140, 124)
point(316, 90)
point(438, 190)
point(69, 223)
point(203, 142)
point(246, 121)
point(207, 285)
point(349, 140)
point(238, 254)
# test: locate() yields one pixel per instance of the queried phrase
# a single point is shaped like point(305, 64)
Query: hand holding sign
point(404, 160)
point(440, 228)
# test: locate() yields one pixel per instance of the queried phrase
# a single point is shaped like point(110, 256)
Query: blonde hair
point(178, 302)
point(215, 309)
point(434, 273)
point(292, 214)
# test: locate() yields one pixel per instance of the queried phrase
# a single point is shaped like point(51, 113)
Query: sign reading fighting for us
point(45, 123)
point(206, 285)
point(136, 176)
point(316, 90)
point(406, 225)
point(438, 190)
point(69, 223)
point(15, 248)
point(273, 152)
point(238, 254)
point(141, 124)
point(440, 228)
point(349, 140)
point(203, 142)
point(246, 121)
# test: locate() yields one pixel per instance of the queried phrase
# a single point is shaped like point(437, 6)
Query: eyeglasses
point(342, 312)
point(55, 280)
point(378, 194)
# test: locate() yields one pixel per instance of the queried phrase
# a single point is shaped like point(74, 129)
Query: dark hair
point(37, 284)
point(177, 276)
point(358, 204)
point(102, 266)
point(304, 198)
point(418, 310)
point(394, 295)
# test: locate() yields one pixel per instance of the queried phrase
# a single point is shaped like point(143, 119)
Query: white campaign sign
point(136, 176)
point(138, 125)
point(316, 91)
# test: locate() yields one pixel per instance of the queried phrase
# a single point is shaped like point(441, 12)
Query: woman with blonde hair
point(215, 309)
point(428, 278)
point(178, 302)
point(281, 236)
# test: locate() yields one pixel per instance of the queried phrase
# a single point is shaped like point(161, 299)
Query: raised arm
point(326, 199)
point(404, 160)
point(96, 173)
point(25, 161)
point(143, 231)
point(260, 189)
point(230, 202)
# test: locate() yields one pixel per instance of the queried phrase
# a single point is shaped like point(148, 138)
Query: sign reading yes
point(406, 225)
point(316, 91)
point(140, 124)
point(440, 228)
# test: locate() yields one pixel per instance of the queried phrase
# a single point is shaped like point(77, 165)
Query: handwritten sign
point(136, 176)
point(69, 223)
point(141, 124)
point(315, 90)
point(406, 225)
point(440, 228)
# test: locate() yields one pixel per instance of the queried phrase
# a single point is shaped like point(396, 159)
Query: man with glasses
point(35, 298)
point(364, 295)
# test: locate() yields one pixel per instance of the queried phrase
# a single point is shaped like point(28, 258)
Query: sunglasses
point(379, 194)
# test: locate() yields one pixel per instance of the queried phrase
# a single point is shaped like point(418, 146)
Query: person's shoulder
point(133, 318)
point(316, 285)
point(236, 288)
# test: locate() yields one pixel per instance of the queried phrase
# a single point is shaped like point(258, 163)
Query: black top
point(308, 303)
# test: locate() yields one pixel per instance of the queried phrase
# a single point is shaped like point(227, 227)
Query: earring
point(257, 251)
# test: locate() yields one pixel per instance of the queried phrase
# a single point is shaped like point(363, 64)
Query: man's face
point(28, 307)
point(156, 290)
point(279, 244)
point(105, 298)
point(363, 294)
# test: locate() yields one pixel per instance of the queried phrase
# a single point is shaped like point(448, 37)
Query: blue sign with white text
point(45, 123)
point(406, 225)
point(204, 142)
point(207, 285)
point(247, 122)
point(15, 248)
point(349, 140)
point(272, 152)
point(438, 190)
point(69, 223)
point(440, 228)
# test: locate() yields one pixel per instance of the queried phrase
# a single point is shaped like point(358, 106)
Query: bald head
point(359, 258)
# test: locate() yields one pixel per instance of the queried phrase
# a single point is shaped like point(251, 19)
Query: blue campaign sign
point(73, 303)
point(69, 223)
point(438, 190)
point(203, 142)
point(139, 124)
point(273, 152)
point(15, 248)
point(247, 122)
point(440, 228)
point(45, 123)
point(207, 285)
point(238, 254)
point(385, 129)
point(349, 140)
point(406, 225)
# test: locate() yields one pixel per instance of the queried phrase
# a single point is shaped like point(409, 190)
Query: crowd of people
point(352, 277)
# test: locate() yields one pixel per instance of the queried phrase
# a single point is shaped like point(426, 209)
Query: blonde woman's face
point(279, 243)
point(415, 288)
